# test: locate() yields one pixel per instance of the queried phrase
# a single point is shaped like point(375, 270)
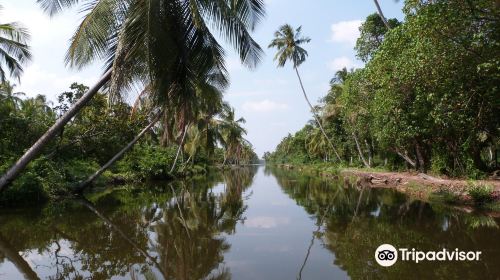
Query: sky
point(269, 98)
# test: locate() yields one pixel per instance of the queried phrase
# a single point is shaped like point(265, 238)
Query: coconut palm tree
point(288, 42)
point(199, 92)
point(316, 144)
point(232, 133)
point(204, 132)
point(14, 50)
point(146, 41)
point(332, 108)
point(9, 96)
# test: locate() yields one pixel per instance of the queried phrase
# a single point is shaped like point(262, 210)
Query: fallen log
point(430, 178)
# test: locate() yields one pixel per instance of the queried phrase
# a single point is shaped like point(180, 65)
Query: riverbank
point(474, 193)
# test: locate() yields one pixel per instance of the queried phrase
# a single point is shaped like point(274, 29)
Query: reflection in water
point(235, 225)
point(359, 220)
point(155, 234)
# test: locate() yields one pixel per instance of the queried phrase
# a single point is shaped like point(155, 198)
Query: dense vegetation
point(164, 48)
point(427, 97)
point(96, 134)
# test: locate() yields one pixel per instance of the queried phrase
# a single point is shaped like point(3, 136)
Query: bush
point(149, 162)
point(445, 196)
point(481, 194)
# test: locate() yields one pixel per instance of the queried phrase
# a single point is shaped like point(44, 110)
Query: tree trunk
point(189, 158)
point(13, 256)
point(114, 227)
point(36, 149)
point(370, 154)
point(478, 161)
point(421, 162)
point(360, 152)
point(382, 15)
point(89, 180)
point(406, 158)
point(315, 115)
point(179, 149)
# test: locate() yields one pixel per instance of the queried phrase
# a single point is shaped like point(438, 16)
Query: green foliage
point(95, 135)
point(148, 161)
point(14, 50)
point(481, 194)
point(371, 36)
point(426, 99)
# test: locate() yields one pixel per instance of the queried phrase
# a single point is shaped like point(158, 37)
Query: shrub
point(149, 162)
point(480, 194)
point(445, 196)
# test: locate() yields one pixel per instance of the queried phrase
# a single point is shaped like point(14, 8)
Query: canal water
point(248, 223)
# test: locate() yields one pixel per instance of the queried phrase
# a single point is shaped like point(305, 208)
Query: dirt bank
point(418, 184)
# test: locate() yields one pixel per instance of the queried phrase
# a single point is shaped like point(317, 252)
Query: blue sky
point(269, 98)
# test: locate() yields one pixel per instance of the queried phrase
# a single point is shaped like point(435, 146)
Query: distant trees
point(427, 97)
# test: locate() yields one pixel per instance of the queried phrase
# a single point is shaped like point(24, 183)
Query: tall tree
point(147, 41)
point(288, 42)
point(9, 96)
point(372, 33)
point(232, 133)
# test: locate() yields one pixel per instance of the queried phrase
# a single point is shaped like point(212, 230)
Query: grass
point(480, 194)
point(445, 196)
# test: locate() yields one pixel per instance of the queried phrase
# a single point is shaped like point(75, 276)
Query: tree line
point(427, 97)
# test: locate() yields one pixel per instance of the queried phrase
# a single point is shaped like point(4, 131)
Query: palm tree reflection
point(173, 232)
point(353, 220)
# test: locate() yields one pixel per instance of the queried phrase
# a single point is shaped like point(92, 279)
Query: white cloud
point(263, 106)
point(36, 80)
point(341, 62)
point(346, 32)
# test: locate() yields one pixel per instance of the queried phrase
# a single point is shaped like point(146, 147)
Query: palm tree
point(316, 144)
point(148, 42)
point(116, 157)
point(332, 108)
point(204, 133)
point(14, 51)
point(9, 96)
point(287, 41)
point(181, 109)
point(232, 133)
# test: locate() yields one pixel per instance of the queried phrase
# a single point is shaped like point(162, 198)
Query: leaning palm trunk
point(179, 149)
point(89, 180)
point(120, 232)
point(13, 256)
point(382, 15)
point(225, 159)
point(36, 149)
point(360, 151)
point(315, 115)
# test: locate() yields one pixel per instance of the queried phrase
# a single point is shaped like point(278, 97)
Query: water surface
point(250, 223)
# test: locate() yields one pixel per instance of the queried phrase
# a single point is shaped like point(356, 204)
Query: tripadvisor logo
point(387, 255)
